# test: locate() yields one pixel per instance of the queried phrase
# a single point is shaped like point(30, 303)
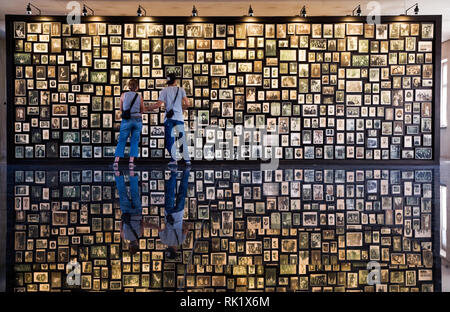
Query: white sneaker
point(173, 163)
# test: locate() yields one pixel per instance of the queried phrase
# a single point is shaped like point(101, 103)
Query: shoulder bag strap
point(134, 100)
point(176, 95)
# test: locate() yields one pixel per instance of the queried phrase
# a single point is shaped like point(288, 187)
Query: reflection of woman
point(131, 227)
point(175, 231)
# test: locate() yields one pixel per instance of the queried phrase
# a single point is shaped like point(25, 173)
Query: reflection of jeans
point(127, 126)
point(171, 128)
point(171, 206)
point(125, 203)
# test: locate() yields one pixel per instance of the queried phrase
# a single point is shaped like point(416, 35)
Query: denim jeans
point(173, 128)
point(128, 204)
point(172, 205)
point(127, 126)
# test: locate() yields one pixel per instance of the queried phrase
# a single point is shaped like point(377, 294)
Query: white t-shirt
point(167, 95)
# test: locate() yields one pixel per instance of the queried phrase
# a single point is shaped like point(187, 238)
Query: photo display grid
point(326, 91)
point(284, 230)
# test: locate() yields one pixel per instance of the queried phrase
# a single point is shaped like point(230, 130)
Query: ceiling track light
point(194, 11)
point(29, 11)
point(416, 9)
point(303, 11)
point(250, 11)
point(358, 11)
point(85, 11)
point(140, 9)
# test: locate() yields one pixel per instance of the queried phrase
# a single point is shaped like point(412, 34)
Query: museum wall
point(445, 132)
point(260, 90)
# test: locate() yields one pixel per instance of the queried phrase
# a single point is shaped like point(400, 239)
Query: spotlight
point(139, 11)
point(303, 12)
point(29, 11)
point(416, 9)
point(85, 11)
point(358, 11)
point(194, 11)
point(250, 11)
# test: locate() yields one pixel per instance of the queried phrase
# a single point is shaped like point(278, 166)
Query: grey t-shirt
point(173, 234)
point(167, 95)
point(135, 223)
point(136, 109)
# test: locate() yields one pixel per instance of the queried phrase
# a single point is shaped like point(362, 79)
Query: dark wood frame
point(436, 19)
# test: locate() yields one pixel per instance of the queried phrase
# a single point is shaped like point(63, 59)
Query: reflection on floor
point(303, 229)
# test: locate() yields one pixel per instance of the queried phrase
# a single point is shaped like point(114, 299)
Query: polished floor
point(223, 228)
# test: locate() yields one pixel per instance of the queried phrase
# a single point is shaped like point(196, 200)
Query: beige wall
point(445, 132)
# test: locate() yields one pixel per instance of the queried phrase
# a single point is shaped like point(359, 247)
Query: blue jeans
point(171, 205)
point(171, 129)
point(131, 205)
point(127, 126)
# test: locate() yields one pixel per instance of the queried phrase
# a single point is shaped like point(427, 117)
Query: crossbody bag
point(170, 113)
point(126, 114)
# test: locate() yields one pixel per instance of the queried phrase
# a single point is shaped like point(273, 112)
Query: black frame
point(436, 19)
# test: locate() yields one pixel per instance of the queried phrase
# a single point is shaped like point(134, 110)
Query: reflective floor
point(223, 228)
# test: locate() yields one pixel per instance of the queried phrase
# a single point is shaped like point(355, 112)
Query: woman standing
point(134, 102)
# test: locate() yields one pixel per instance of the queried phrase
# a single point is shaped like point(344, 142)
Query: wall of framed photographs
point(290, 229)
point(323, 89)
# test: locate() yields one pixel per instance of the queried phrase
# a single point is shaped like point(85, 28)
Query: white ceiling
point(234, 8)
